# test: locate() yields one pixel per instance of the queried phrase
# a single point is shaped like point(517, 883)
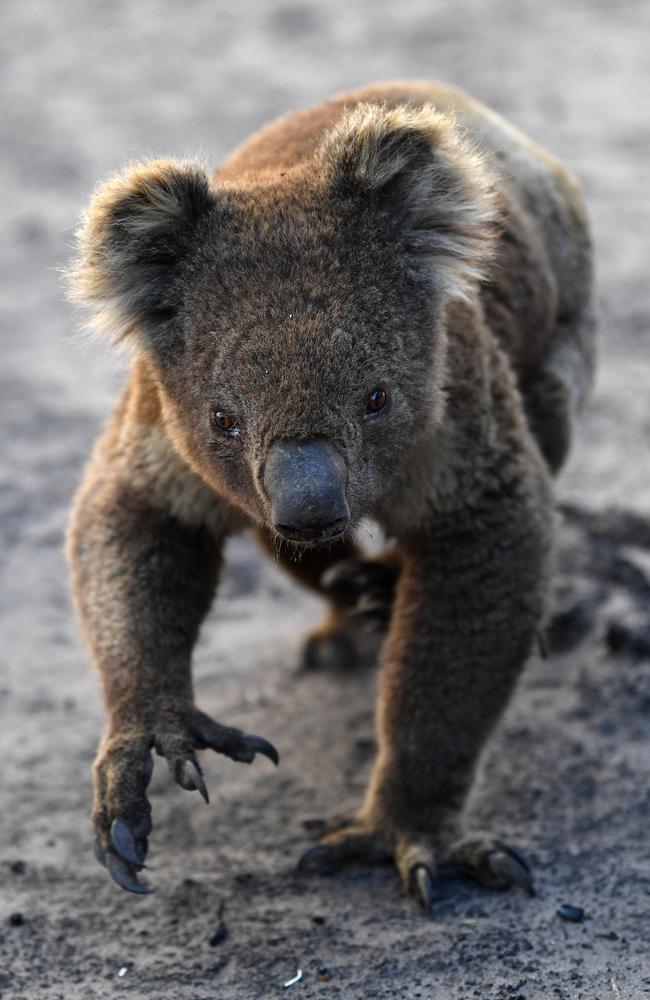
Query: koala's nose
point(305, 481)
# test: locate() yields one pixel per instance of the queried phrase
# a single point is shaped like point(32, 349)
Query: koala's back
point(542, 279)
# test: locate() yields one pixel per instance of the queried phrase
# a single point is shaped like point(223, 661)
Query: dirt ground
point(86, 86)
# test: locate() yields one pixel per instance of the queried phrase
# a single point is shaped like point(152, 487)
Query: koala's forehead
point(290, 290)
point(302, 353)
point(264, 251)
point(272, 246)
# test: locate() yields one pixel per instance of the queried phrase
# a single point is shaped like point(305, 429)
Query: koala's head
point(294, 319)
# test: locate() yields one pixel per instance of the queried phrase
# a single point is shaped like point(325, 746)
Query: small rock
point(16, 920)
point(219, 936)
point(574, 914)
point(221, 932)
point(621, 638)
point(18, 867)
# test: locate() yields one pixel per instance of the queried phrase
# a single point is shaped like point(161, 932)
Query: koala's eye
point(224, 422)
point(375, 403)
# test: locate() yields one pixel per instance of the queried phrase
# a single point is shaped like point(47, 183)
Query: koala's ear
point(135, 234)
point(413, 166)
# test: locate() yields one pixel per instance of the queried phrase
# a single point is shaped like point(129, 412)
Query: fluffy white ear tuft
point(414, 164)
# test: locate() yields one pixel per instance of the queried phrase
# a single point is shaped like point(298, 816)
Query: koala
point(377, 308)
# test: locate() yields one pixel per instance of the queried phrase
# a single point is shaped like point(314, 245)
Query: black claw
point(231, 742)
point(141, 824)
point(100, 853)
point(124, 875)
point(316, 859)
point(518, 856)
point(511, 867)
point(422, 881)
point(147, 769)
point(125, 844)
point(191, 779)
point(257, 744)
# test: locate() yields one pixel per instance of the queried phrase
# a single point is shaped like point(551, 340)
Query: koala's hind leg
point(358, 591)
point(556, 389)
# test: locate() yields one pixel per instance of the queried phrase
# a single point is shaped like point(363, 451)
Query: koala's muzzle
point(305, 481)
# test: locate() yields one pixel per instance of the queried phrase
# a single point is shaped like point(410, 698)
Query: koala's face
point(297, 325)
point(310, 365)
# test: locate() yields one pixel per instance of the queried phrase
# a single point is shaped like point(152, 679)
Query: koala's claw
point(315, 859)
point(192, 780)
point(422, 886)
point(125, 875)
point(251, 745)
point(510, 868)
point(121, 869)
point(492, 863)
point(126, 845)
point(233, 743)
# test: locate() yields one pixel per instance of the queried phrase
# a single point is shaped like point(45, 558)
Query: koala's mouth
point(313, 534)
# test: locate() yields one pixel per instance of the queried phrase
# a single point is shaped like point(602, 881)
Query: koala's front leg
point(142, 583)
point(468, 603)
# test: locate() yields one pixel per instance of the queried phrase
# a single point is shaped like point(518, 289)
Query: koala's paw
point(122, 813)
point(342, 840)
point(346, 840)
point(363, 589)
point(333, 645)
point(361, 592)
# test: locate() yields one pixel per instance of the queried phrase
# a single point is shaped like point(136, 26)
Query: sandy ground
point(87, 85)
